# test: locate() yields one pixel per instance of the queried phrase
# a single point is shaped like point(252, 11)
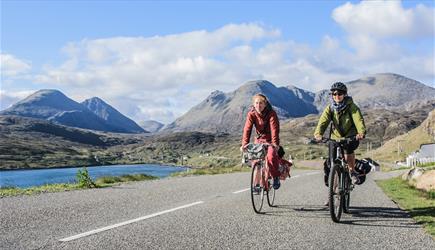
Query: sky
point(154, 60)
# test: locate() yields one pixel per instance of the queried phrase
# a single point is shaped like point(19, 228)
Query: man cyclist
point(347, 121)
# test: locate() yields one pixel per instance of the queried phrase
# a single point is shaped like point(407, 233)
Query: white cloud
point(375, 28)
point(13, 66)
point(385, 18)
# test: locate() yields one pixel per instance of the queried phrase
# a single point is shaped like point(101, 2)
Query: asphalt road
point(207, 212)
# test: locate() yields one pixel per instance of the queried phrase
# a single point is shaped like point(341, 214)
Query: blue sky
point(157, 59)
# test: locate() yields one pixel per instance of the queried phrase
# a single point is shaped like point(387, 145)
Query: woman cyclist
point(264, 118)
point(347, 121)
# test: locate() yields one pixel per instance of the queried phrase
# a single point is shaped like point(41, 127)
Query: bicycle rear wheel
point(335, 194)
point(257, 189)
point(270, 194)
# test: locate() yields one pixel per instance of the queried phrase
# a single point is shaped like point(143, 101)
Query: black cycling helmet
point(339, 86)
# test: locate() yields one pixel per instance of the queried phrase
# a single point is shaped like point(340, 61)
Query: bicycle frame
point(262, 173)
point(339, 159)
point(339, 183)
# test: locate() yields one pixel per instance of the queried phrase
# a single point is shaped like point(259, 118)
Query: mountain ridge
point(226, 112)
point(52, 105)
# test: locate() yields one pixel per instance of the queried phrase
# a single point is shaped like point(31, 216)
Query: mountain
point(43, 104)
point(111, 116)
point(151, 126)
point(54, 106)
point(385, 90)
point(226, 112)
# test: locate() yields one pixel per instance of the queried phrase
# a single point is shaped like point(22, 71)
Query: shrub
point(84, 180)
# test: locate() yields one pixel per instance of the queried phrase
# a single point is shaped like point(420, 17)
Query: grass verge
point(211, 171)
point(419, 204)
point(105, 181)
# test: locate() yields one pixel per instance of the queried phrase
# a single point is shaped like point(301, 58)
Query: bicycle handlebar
point(264, 144)
point(325, 140)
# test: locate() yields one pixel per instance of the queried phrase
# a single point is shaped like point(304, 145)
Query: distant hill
point(407, 143)
point(30, 142)
point(111, 116)
point(54, 106)
point(384, 90)
point(226, 112)
point(151, 126)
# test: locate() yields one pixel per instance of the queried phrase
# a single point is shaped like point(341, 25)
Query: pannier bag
point(362, 167)
point(284, 169)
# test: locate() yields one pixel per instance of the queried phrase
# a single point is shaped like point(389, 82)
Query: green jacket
point(342, 119)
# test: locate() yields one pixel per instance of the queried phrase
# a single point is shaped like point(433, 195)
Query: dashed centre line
point(292, 177)
point(127, 222)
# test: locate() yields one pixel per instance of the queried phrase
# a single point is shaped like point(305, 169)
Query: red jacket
point(266, 126)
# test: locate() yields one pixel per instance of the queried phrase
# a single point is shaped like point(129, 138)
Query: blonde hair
point(262, 97)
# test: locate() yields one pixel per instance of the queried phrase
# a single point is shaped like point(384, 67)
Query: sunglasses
point(337, 93)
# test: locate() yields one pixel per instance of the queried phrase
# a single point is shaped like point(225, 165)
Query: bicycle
point(260, 175)
point(339, 180)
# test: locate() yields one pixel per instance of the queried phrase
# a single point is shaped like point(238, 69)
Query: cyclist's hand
point(318, 138)
point(359, 137)
point(243, 148)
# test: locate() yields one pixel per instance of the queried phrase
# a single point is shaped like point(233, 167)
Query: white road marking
point(312, 173)
point(127, 222)
point(293, 176)
point(240, 191)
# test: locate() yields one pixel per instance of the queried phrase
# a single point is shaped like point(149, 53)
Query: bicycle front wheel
point(270, 194)
point(257, 188)
point(346, 197)
point(335, 193)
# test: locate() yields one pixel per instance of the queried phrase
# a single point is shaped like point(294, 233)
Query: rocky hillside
point(30, 142)
point(408, 142)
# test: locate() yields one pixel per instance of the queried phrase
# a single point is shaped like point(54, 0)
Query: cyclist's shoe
point(256, 189)
point(276, 182)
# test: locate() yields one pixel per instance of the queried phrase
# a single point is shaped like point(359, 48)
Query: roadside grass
point(212, 171)
point(48, 188)
point(108, 180)
point(102, 182)
point(419, 204)
point(427, 165)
